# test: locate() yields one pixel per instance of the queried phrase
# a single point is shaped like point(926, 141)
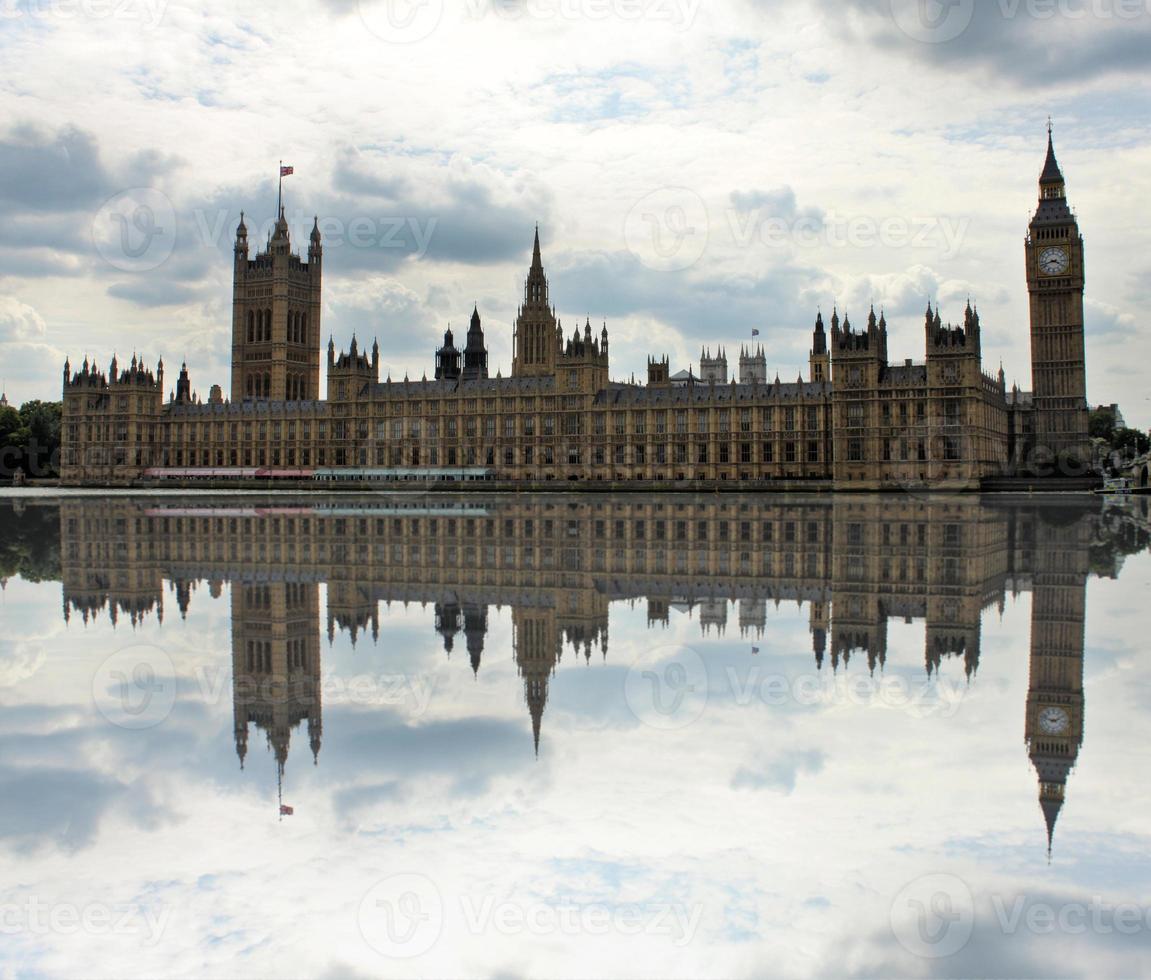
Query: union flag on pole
point(286, 811)
point(287, 171)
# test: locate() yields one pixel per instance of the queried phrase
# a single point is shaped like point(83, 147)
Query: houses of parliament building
point(859, 420)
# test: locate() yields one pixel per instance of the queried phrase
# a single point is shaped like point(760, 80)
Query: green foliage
point(30, 440)
point(1102, 424)
point(1129, 442)
point(30, 541)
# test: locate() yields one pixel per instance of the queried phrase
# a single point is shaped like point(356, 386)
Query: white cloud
point(20, 322)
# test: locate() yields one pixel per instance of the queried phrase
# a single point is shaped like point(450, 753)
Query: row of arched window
point(297, 328)
point(260, 386)
point(296, 390)
point(260, 327)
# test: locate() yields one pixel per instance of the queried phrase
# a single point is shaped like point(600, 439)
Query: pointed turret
point(315, 243)
point(1051, 806)
point(1052, 173)
point(476, 352)
point(280, 235)
point(819, 336)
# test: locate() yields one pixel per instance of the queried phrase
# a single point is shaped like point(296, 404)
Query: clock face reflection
point(1053, 261)
point(1054, 721)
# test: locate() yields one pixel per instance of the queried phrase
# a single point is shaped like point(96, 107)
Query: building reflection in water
point(559, 562)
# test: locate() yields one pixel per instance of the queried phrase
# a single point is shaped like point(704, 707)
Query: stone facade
point(858, 422)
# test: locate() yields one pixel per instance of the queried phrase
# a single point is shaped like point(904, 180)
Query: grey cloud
point(373, 220)
point(152, 293)
point(781, 774)
point(780, 203)
point(350, 176)
point(376, 744)
point(62, 807)
point(997, 952)
point(703, 309)
point(1020, 40)
point(51, 171)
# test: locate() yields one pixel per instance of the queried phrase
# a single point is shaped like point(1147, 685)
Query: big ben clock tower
point(1055, 281)
point(1055, 704)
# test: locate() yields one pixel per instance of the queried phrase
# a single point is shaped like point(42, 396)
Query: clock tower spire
point(1055, 703)
point(1056, 281)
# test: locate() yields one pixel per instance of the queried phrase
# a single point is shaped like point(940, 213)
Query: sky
point(698, 171)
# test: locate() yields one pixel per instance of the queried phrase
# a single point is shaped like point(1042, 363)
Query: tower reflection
point(559, 562)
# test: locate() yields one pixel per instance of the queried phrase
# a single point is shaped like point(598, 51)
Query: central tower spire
point(536, 341)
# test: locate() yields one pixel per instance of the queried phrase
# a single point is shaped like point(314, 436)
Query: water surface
point(565, 736)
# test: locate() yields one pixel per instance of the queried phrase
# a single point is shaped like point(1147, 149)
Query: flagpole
point(280, 196)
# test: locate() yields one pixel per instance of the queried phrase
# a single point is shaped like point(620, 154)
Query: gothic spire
point(1052, 174)
point(1051, 807)
point(537, 261)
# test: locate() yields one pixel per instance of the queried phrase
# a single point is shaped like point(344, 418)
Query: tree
point(1102, 424)
point(1131, 442)
point(30, 439)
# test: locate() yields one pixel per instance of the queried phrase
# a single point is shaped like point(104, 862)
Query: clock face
point(1054, 721)
point(1053, 261)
